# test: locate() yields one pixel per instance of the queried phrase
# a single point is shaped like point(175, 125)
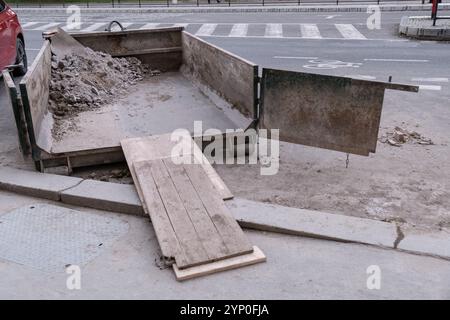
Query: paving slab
point(35, 184)
point(123, 198)
point(421, 27)
point(436, 244)
point(107, 196)
point(315, 224)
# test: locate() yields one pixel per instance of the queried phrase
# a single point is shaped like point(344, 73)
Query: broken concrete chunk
point(400, 136)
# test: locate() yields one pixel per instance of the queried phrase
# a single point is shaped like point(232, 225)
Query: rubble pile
point(399, 136)
point(85, 82)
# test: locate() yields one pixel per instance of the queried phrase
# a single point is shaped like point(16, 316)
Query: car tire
point(21, 59)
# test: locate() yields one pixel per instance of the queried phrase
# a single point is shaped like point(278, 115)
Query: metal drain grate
point(48, 238)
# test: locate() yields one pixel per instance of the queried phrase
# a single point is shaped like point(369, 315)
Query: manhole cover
point(49, 238)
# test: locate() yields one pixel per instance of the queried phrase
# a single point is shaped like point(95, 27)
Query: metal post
point(168, 4)
point(87, 3)
point(197, 3)
point(434, 9)
point(298, 2)
point(378, 2)
point(139, 3)
point(112, 1)
point(263, 2)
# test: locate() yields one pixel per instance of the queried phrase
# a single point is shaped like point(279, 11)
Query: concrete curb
point(105, 196)
point(435, 244)
point(246, 9)
point(35, 184)
point(249, 214)
point(408, 29)
point(312, 224)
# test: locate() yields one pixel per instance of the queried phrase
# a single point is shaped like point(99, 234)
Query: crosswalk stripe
point(429, 87)
point(47, 26)
point(348, 31)
point(310, 31)
point(94, 27)
point(206, 29)
point(72, 26)
point(127, 24)
point(149, 26)
point(29, 24)
point(239, 30)
point(274, 30)
point(430, 79)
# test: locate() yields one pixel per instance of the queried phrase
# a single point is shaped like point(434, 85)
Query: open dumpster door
point(336, 113)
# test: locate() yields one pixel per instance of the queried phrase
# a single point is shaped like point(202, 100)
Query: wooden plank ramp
point(193, 226)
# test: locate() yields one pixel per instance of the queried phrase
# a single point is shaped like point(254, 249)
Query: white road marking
point(397, 60)
point(206, 29)
point(115, 26)
point(127, 24)
point(331, 17)
point(239, 30)
point(321, 39)
point(72, 26)
point(300, 58)
point(430, 79)
point(428, 87)
point(29, 24)
point(94, 27)
point(274, 30)
point(47, 26)
point(310, 31)
point(360, 76)
point(348, 31)
point(149, 26)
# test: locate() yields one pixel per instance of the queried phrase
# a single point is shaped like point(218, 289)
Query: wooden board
point(161, 146)
point(191, 221)
point(256, 256)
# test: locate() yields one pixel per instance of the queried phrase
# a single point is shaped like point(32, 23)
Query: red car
point(12, 44)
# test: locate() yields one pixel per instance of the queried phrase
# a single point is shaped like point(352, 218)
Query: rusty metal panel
point(16, 104)
point(159, 48)
point(233, 78)
point(35, 87)
point(330, 112)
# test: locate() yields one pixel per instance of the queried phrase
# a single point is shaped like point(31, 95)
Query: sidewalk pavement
point(249, 214)
point(401, 6)
point(126, 267)
point(422, 28)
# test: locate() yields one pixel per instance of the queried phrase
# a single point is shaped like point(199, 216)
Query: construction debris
point(400, 136)
point(85, 82)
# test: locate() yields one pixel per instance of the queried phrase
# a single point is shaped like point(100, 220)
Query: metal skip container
point(203, 83)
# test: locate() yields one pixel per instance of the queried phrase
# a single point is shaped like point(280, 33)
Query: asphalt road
point(277, 40)
point(372, 54)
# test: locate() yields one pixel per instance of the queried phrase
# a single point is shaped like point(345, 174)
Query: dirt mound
point(84, 83)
